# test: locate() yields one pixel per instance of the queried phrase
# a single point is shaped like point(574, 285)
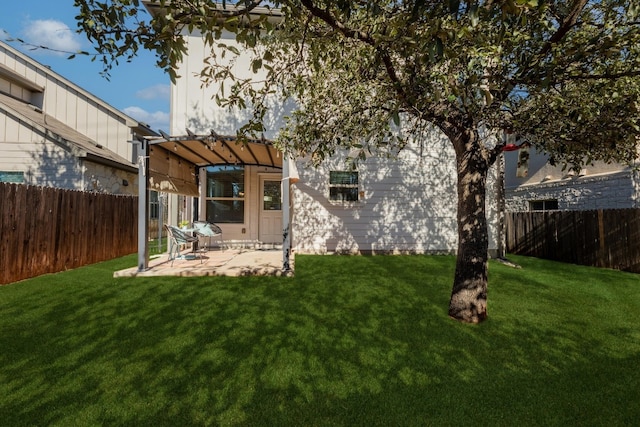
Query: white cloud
point(155, 92)
point(157, 120)
point(52, 34)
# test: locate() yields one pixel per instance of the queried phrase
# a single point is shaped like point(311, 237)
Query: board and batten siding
point(88, 116)
point(68, 103)
point(193, 106)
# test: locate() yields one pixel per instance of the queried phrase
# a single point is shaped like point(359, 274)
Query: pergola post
point(143, 204)
point(286, 217)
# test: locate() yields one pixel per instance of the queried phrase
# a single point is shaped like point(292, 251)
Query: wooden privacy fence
point(603, 238)
point(46, 230)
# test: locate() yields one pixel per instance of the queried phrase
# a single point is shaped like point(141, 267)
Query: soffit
point(213, 149)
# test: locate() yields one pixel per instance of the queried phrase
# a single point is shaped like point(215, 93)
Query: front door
point(270, 229)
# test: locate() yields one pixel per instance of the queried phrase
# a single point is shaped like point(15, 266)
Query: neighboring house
point(54, 133)
point(406, 204)
point(539, 186)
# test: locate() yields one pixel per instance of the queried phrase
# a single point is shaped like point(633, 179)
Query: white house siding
point(18, 91)
point(616, 190)
point(68, 103)
point(89, 117)
point(408, 205)
point(42, 161)
point(45, 162)
point(194, 107)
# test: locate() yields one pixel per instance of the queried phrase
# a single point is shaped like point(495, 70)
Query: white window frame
point(240, 198)
point(342, 186)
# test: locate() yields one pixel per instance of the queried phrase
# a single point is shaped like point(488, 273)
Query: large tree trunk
point(469, 294)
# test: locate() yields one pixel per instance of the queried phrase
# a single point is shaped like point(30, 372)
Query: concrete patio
point(216, 262)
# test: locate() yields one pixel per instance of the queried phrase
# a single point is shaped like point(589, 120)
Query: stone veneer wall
point(608, 191)
point(104, 179)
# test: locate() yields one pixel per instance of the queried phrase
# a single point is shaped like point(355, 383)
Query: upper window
point(15, 177)
point(343, 186)
point(225, 194)
point(543, 205)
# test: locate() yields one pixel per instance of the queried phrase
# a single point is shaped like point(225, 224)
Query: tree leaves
point(357, 68)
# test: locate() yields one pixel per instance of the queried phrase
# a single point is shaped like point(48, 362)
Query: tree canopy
point(565, 75)
point(556, 72)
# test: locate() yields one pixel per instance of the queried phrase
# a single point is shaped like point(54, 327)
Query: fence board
point(603, 238)
point(46, 230)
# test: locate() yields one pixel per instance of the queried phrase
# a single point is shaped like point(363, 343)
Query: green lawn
point(348, 341)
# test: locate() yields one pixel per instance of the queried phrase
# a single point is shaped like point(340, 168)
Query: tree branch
point(365, 37)
point(566, 25)
point(337, 25)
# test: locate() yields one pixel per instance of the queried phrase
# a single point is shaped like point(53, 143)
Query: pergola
point(169, 164)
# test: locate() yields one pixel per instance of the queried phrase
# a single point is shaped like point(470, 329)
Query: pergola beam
point(188, 152)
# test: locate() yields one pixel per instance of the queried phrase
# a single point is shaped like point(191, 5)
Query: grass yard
point(349, 341)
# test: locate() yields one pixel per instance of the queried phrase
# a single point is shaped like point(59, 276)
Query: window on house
point(272, 196)
point(343, 186)
point(154, 205)
point(225, 194)
point(14, 177)
point(543, 205)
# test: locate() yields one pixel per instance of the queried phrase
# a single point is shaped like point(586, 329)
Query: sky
point(139, 89)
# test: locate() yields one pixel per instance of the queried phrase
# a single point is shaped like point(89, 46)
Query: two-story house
point(403, 204)
point(54, 133)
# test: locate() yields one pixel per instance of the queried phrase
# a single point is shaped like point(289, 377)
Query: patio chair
point(178, 237)
point(206, 229)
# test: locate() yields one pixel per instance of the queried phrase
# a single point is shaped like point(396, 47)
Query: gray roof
point(80, 145)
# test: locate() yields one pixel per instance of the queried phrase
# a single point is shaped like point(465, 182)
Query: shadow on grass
point(363, 341)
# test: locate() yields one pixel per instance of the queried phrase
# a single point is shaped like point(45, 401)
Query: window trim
point(544, 205)
point(344, 186)
point(242, 198)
